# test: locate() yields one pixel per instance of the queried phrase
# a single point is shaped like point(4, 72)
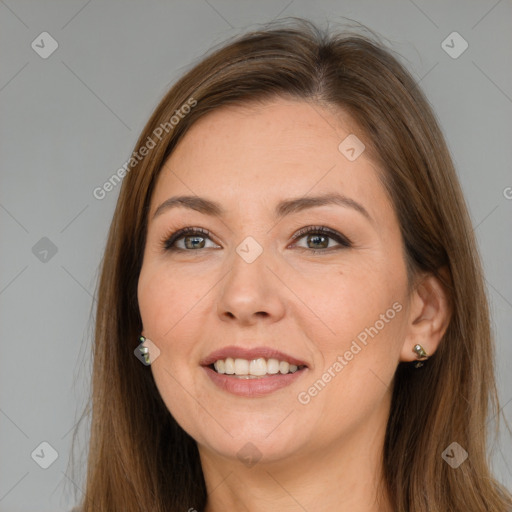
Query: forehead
point(262, 152)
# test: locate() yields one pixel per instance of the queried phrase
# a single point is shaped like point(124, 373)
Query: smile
point(255, 368)
point(252, 372)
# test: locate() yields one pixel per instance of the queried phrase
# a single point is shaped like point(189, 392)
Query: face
point(315, 291)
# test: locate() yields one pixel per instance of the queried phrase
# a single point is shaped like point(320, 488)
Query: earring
point(421, 355)
point(144, 350)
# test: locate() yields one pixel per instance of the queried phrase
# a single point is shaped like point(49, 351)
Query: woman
point(292, 251)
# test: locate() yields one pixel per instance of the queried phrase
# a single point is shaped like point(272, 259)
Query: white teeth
point(272, 366)
point(256, 367)
point(241, 366)
point(220, 366)
point(229, 366)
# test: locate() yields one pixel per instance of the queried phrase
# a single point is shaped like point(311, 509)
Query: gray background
point(69, 121)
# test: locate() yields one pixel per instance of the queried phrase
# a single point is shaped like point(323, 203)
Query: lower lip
point(252, 387)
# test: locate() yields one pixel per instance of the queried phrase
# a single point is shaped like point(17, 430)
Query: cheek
point(362, 316)
point(354, 378)
point(170, 307)
point(353, 302)
point(166, 308)
point(165, 300)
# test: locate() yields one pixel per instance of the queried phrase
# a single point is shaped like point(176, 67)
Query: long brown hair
point(139, 457)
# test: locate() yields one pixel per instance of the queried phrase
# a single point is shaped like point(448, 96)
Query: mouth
point(252, 372)
point(254, 368)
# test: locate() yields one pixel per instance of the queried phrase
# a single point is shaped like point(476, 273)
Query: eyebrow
point(283, 208)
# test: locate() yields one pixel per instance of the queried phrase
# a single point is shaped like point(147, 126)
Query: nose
point(251, 292)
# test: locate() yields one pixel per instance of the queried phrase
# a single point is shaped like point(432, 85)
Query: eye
point(320, 237)
point(193, 238)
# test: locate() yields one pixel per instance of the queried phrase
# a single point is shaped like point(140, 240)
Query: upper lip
point(250, 354)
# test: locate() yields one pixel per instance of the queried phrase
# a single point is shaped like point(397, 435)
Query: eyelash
point(168, 241)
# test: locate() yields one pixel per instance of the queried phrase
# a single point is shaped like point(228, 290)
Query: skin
point(326, 454)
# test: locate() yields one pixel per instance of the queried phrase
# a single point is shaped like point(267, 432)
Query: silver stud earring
point(421, 355)
point(144, 350)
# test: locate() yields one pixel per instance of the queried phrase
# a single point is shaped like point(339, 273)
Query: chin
point(251, 450)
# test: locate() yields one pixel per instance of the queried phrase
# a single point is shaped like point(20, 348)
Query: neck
point(342, 476)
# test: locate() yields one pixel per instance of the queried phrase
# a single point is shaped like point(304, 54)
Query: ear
point(429, 315)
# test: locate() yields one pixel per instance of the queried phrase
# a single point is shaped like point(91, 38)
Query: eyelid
point(169, 239)
point(324, 230)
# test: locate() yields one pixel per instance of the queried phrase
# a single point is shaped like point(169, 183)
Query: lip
point(252, 388)
point(250, 354)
